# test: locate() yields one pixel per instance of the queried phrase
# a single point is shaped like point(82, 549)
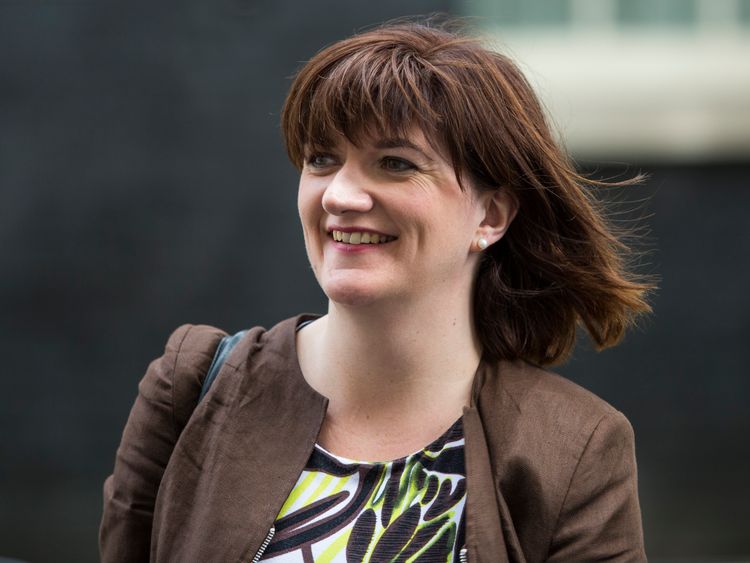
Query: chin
point(351, 297)
point(352, 292)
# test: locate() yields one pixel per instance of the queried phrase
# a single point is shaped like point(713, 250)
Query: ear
point(500, 207)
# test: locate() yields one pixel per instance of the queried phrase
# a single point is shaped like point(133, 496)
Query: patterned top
point(409, 509)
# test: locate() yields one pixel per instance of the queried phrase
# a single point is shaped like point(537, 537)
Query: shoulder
point(252, 356)
point(191, 346)
point(533, 414)
point(566, 420)
point(175, 378)
point(538, 420)
point(564, 459)
point(545, 398)
point(190, 350)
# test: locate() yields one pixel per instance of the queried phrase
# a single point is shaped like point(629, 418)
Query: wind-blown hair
point(560, 263)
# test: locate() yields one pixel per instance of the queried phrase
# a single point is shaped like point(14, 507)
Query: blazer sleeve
point(167, 395)
point(600, 519)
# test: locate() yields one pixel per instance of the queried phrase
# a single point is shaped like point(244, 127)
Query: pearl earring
point(482, 243)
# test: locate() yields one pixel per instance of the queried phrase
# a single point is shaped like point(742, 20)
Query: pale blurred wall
point(144, 185)
point(645, 80)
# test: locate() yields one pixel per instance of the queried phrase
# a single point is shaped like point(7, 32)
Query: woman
point(459, 250)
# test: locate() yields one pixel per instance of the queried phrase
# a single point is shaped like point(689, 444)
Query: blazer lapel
point(484, 538)
point(491, 534)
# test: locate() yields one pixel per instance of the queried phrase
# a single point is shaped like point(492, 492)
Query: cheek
point(303, 197)
point(456, 217)
point(309, 220)
point(308, 202)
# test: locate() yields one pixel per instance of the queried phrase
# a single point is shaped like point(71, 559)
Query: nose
point(347, 192)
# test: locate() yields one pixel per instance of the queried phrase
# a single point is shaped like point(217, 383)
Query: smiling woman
point(459, 250)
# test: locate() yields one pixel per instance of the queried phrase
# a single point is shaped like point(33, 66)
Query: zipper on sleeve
point(264, 545)
point(463, 555)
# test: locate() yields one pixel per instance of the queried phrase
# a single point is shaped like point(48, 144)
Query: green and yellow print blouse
point(409, 509)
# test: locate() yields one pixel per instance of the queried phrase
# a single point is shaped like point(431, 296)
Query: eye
point(396, 164)
point(320, 160)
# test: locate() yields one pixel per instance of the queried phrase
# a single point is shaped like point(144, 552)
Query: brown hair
point(560, 263)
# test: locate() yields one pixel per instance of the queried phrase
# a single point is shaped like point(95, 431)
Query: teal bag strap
point(225, 346)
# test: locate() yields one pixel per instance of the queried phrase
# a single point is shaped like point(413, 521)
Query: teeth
point(361, 237)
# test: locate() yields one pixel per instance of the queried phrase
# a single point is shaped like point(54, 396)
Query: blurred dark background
point(144, 185)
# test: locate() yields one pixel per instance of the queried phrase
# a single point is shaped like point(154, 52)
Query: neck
point(396, 375)
point(378, 360)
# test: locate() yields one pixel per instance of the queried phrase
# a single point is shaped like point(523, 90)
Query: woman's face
point(400, 191)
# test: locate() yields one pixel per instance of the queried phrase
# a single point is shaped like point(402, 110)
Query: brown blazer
point(551, 473)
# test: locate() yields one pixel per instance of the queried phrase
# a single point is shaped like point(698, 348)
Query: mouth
point(360, 237)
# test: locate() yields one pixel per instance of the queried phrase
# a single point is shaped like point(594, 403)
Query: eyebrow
point(400, 143)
